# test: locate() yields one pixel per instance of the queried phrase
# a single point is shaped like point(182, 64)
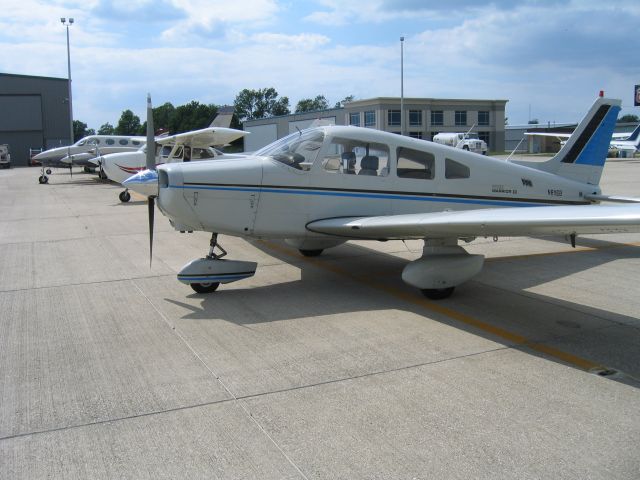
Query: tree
point(106, 129)
point(629, 118)
point(129, 124)
point(192, 116)
point(344, 101)
point(308, 104)
point(80, 130)
point(261, 103)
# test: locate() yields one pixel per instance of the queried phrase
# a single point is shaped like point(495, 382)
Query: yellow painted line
point(563, 252)
point(412, 298)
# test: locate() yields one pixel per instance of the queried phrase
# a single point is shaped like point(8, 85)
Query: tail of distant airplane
point(223, 119)
point(582, 157)
point(634, 137)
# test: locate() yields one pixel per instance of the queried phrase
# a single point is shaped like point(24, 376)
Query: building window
point(437, 117)
point(415, 118)
point(483, 118)
point(354, 119)
point(393, 117)
point(461, 118)
point(370, 118)
point(484, 136)
point(415, 134)
point(415, 164)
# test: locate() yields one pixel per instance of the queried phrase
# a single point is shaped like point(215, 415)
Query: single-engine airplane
point(321, 187)
point(182, 147)
point(620, 142)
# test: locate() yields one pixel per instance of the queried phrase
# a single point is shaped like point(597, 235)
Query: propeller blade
point(151, 209)
point(151, 144)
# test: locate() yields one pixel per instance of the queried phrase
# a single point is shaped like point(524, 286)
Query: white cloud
point(207, 15)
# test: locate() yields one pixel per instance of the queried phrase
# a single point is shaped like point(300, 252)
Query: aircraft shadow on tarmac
point(370, 280)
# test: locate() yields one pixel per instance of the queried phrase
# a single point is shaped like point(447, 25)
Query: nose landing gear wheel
point(311, 253)
point(207, 287)
point(437, 293)
point(43, 179)
point(124, 196)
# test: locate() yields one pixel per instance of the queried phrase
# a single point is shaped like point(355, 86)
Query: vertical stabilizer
point(582, 157)
point(223, 119)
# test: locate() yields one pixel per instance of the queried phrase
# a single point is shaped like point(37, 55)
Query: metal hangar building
point(35, 114)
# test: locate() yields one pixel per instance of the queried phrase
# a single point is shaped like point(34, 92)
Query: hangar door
point(259, 136)
point(21, 125)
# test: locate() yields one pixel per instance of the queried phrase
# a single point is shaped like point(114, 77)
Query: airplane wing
point(516, 221)
point(206, 137)
point(559, 136)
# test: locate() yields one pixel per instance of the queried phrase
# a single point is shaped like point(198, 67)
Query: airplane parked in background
point(182, 147)
point(620, 142)
point(321, 187)
point(80, 152)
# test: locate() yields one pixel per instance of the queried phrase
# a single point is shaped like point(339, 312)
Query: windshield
point(298, 150)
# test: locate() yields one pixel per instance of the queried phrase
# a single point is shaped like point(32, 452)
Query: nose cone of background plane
point(145, 183)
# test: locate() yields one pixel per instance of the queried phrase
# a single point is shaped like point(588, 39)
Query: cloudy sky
point(547, 57)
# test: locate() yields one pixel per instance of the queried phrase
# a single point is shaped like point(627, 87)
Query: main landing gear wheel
point(207, 287)
point(124, 196)
point(48, 171)
point(437, 293)
point(311, 253)
point(43, 179)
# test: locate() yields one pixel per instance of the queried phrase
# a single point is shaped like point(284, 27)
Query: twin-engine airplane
point(83, 150)
point(321, 187)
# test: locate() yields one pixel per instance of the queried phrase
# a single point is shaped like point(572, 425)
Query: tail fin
point(635, 136)
point(223, 119)
point(582, 157)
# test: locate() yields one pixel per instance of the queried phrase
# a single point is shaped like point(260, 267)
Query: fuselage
point(347, 171)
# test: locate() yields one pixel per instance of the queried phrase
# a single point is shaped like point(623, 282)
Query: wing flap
point(517, 221)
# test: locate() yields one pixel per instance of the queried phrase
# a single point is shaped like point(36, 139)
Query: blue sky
point(547, 57)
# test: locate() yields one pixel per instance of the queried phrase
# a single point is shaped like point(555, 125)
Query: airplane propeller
point(151, 165)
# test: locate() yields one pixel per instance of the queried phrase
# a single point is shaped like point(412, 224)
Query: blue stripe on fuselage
point(385, 196)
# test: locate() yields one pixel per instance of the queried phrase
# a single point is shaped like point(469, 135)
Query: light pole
point(67, 24)
point(401, 85)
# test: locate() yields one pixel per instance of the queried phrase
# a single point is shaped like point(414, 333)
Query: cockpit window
point(357, 157)
point(298, 150)
point(81, 142)
point(110, 141)
point(123, 141)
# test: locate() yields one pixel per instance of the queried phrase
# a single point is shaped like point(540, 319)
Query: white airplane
point(321, 187)
point(182, 147)
point(623, 142)
point(80, 152)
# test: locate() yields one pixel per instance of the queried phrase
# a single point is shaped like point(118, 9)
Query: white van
point(5, 156)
